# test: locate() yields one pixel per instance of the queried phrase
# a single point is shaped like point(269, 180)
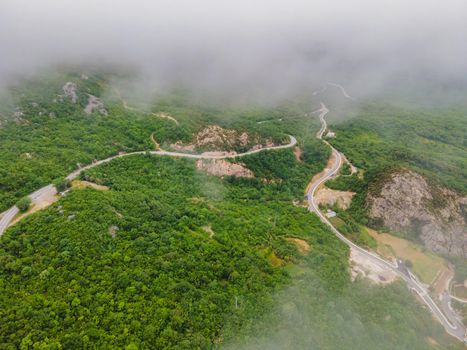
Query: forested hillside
point(171, 258)
point(164, 256)
point(46, 133)
point(430, 141)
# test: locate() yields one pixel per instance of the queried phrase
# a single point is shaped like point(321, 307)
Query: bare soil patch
point(40, 203)
point(360, 265)
point(332, 160)
point(302, 245)
point(208, 230)
point(215, 137)
point(94, 103)
point(327, 196)
point(220, 167)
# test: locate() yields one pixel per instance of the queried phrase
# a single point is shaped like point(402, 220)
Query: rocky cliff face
point(409, 204)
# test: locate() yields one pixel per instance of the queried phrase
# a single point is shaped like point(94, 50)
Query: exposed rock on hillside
point(407, 203)
point(214, 137)
point(94, 103)
point(220, 167)
point(70, 91)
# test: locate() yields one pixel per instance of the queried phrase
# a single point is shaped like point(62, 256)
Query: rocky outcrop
point(407, 203)
point(215, 137)
point(94, 103)
point(220, 167)
point(70, 91)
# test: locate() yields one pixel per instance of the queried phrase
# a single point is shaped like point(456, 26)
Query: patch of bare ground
point(94, 103)
point(26, 155)
point(302, 245)
point(179, 146)
point(298, 153)
point(208, 230)
point(220, 167)
point(86, 184)
point(327, 196)
point(215, 137)
point(361, 266)
point(70, 91)
point(332, 160)
point(113, 230)
point(42, 202)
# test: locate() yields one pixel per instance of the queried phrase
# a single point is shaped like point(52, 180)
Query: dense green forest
point(430, 141)
point(168, 257)
point(382, 138)
point(171, 258)
point(45, 136)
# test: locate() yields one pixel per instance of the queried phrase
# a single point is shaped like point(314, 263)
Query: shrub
point(23, 204)
point(61, 184)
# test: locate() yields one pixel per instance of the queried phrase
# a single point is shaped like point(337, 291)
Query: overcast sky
point(241, 44)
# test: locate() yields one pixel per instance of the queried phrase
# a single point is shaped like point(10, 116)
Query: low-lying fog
point(264, 48)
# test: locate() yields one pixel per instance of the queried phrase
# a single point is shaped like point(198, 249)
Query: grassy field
point(425, 265)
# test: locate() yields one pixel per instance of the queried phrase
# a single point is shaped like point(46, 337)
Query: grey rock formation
point(409, 204)
point(70, 91)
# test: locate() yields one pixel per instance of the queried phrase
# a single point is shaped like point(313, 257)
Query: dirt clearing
point(302, 245)
point(39, 203)
point(360, 265)
point(220, 167)
point(327, 196)
point(331, 162)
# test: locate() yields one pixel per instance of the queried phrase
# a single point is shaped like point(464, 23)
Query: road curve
point(8, 215)
point(451, 324)
point(342, 90)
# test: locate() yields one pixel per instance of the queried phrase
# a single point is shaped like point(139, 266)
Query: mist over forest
point(262, 49)
point(249, 175)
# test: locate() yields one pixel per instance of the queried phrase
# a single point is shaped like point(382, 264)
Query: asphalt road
point(7, 218)
point(13, 211)
point(453, 326)
point(8, 215)
point(446, 317)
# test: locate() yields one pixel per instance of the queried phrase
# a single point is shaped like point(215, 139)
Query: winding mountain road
point(448, 319)
point(8, 216)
